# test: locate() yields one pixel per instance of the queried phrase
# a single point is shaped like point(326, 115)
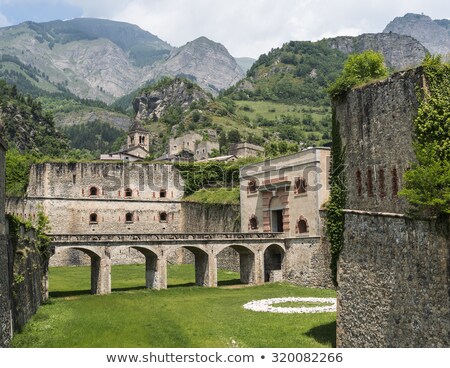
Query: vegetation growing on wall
point(359, 69)
point(335, 220)
point(427, 184)
point(40, 240)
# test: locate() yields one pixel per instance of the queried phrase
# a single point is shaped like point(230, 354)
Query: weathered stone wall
point(29, 276)
point(209, 218)
point(393, 272)
point(5, 294)
point(376, 124)
point(394, 282)
point(307, 263)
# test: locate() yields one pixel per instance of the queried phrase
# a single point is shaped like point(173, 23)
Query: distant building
point(285, 194)
point(246, 150)
point(137, 147)
point(227, 158)
point(192, 144)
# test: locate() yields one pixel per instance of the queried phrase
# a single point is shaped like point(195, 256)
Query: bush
point(358, 70)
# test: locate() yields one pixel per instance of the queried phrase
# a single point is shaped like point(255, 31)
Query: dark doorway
point(277, 221)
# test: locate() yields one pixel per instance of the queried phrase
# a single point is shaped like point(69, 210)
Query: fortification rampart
point(393, 271)
point(376, 125)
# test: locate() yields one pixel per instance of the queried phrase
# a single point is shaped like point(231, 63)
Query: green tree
point(427, 184)
point(358, 70)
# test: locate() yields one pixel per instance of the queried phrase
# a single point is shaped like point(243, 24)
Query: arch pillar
point(259, 267)
point(100, 270)
point(155, 268)
point(205, 267)
point(155, 272)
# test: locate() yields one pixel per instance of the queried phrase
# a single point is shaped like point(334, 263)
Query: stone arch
point(302, 225)
point(100, 268)
point(204, 263)
point(129, 217)
point(155, 268)
point(93, 191)
point(274, 256)
point(93, 218)
point(300, 185)
point(163, 217)
point(247, 263)
point(252, 187)
point(253, 223)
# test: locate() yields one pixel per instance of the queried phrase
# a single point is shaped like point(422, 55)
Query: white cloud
point(252, 27)
point(4, 21)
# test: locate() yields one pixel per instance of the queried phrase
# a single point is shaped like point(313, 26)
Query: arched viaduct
point(259, 254)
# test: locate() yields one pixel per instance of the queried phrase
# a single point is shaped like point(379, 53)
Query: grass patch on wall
point(181, 316)
point(215, 196)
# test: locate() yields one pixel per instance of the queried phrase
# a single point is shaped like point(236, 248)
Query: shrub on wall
point(427, 184)
point(334, 224)
point(359, 69)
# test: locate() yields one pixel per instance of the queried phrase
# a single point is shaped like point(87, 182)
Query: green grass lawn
point(183, 315)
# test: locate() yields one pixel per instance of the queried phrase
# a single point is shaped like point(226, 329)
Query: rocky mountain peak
point(399, 51)
point(207, 63)
point(152, 103)
point(433, 34)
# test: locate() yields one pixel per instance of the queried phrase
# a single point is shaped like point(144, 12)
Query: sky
point(245, 27)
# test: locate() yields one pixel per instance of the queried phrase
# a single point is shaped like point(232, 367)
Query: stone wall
point(209, 218)
point(307, 260)
point(376, 124)
point(5, 295)
point(212, 218)
point(393, 272)
point(29, 276)
point(394, 282)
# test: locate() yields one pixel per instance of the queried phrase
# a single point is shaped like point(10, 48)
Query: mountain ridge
point(433, 34)
point(104, 60)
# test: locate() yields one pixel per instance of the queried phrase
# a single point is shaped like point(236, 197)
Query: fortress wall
point(393, 271)
point(394, 282)
point(5, 294)
point(376, 124)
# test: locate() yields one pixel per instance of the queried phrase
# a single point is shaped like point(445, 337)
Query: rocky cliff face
point(399, 51)
point(433, 34)
point(207, 63)
point(178, 92)
point(105, 60)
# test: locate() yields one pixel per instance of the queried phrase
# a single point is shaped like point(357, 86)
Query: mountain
point(399, 51)
point(104, 60)
point(433, 34)
point(154, 102)
point(300, 71)
point(25, 126)
point(203, 61)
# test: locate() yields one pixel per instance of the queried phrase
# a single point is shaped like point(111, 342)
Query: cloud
point(252, 27)
point(4, 21)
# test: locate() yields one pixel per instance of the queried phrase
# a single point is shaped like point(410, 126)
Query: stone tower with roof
point(138, 142)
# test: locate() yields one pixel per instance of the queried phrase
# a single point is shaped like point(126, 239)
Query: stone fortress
point(393, 270)
point(141, 198)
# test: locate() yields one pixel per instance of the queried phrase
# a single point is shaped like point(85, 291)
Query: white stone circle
point(265, 305)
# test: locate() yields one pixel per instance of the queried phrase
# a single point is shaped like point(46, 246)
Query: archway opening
point(155, 270)
point(273, 263)
point(90, 275)
point(235, 265)
point(189, 267)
